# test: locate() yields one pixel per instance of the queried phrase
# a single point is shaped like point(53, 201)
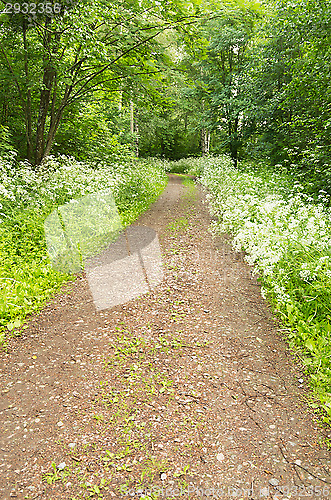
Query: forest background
point(169, 79)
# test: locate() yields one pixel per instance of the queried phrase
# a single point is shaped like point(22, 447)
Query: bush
point(191, 166)
point(27, 197)
point(287, 238)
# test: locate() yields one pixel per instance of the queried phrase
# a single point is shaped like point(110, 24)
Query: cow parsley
point(288, 239)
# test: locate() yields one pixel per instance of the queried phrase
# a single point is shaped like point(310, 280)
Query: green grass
point(27, 279)
point(190, 191)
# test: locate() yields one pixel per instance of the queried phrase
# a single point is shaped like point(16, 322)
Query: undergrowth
point(191, 166)
point(286, 235)
point(27, 197)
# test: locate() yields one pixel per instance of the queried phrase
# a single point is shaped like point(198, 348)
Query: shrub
point(287, 237)
point(28, 196)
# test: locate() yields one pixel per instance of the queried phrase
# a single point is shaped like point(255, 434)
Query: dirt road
point(187, 392)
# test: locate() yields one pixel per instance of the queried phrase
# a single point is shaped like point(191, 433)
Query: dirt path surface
point(186, 392)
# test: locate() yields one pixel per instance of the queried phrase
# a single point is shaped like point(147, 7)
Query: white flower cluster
point(63, 178)
point(268, 225)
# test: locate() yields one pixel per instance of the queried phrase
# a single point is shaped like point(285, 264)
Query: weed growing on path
point(57, 474)
point(177, 226)
point(190, 191)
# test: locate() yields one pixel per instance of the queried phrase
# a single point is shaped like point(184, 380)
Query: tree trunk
point(136, 130)
point(28, 115)
point(51, 134)
point(55, 119)
point(205, 141)
point(131, 117)
point(205, 134)
point(45, 96)
point(233, 139)
point(48, 79)
point(120, 100)
point(234, 154)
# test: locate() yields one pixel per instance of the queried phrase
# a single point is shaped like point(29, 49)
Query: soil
point(188, 391)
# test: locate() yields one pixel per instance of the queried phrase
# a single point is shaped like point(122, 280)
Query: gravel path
point(187, 392)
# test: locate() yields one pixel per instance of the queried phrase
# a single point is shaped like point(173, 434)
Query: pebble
point(301, 380)
point(72, 445)
point(163, 476)
point(61, 466)
point(273, 481)
point(220, 457)
point(60, 424)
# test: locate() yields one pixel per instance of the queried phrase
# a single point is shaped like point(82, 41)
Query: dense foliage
point(26, 198)
point(56, 60)
point(289, 93)
point(288, 240)
point(172, 79)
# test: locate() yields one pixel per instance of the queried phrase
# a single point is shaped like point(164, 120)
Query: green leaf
point(310, 344)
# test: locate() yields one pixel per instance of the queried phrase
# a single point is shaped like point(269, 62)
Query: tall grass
point(27, 197)
point(287, 237)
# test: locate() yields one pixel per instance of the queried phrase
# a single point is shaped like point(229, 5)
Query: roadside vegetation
point(27, 197)
point(286, 235)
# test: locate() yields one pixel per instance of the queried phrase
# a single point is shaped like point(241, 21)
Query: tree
point(55, 59)
point(289, 89)
point(225, 75)
point(216, 67)
point(171, 128)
